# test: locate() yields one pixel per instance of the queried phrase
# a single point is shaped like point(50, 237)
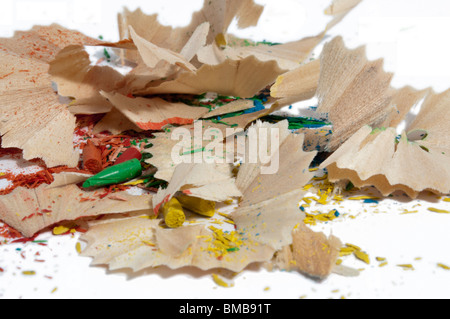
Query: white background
point(411, 36)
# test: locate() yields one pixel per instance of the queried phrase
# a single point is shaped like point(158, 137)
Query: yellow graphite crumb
point(223, 242)
point(405, 212)
point(363, 198)
point(60, 230)
point(220, 282)
point(439, 211)
point(351, 249)
point(148, 243)
point(312, 219)
point(320, 178)
point(445, 267)
point(78, 248)
point(362, 256)
point(406, 266)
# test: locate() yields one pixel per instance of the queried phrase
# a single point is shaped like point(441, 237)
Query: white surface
point(408, 34)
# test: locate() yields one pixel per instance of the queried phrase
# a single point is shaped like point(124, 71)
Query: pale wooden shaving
point(219, 14)
point(244, 78)
point(297, 85)
point(154, 113)
point(32, 210)
point(189, 176)
point(138, 244)
point(352, 91)
point(311, 253)
point(76, 78)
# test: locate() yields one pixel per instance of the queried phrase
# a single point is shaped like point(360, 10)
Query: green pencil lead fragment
point(115, 174)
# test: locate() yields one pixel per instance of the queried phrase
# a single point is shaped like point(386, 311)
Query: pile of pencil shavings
point(104, 140)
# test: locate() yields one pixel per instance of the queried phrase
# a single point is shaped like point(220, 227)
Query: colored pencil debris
point(107, 144)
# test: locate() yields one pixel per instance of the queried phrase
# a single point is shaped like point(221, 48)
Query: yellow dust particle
point(439, 211)
point(339, 262)
point(28, 272)
point(267, 289)
point(54, 290)
point(381, 259)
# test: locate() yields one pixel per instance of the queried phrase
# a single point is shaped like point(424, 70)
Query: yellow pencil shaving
point(445, 267)
point(148, 243)
point(220, 282)
point(353, 246)
point(229, 202)
point(134, 183)
point(173, 213)
point(224, 242)
point(384, 264)
point(323, 199)
point(362, 256)
point(405, 212)
point(198, 205)
point(439, 211)
point(320, 178)
point(312, 219)
point(308, 187)
point(60, 230)
point(363, 198)
point(406, 266)
point(78, 248)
